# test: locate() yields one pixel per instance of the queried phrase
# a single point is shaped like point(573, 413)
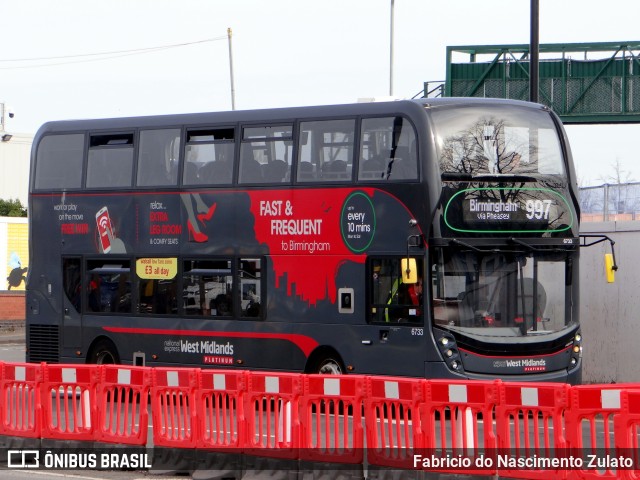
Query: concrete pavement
point(12, 331)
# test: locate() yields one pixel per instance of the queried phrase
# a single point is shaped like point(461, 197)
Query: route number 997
point(538, 209)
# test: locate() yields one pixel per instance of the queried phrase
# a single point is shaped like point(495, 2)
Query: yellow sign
point(157, 268)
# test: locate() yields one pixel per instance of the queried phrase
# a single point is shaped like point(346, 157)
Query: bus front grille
point(43, 343)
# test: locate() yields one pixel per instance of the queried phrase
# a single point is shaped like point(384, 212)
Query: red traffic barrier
point(457, 419)
point(271, 411)
point(331, 419)
point(592, 415)
point(21, 414)
point(122, 395)
point(220, 409)
point(530, 425)
point(392, 418)
point(68, 395)
point(173, 407)
point(627, 433)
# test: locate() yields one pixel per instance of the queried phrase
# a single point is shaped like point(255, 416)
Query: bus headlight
point(449, 351)
point(576, 351)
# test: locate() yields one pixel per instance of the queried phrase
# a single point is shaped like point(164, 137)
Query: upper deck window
point(388, 150)
point(209, 157)
point(158, 157)
point(266, 154)
point(110, 162)
point(59, 162)
point(497, 141)
point(326, 151)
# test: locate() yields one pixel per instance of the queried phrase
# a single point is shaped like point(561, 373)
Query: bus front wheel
point(329, 366)
point(104, 353)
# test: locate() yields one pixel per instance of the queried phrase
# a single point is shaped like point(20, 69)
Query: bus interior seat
point(305, 171)
point(276, 171)
point(215, 172)
point(336, 170)
point(250, 171)
point(373, 168)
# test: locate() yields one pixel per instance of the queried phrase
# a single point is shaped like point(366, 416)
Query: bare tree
point(619, 196)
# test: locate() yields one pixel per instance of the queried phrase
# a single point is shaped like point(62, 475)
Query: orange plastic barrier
point(271, 411)
point(20, 414)
point(331, 419)
point(593, 412)
point(173, 407)
point(530, 426)
point(122, 395)
point(627, 428)
point(392, 418)
point(69, 402)
point(212, 419)
point(454, 414)
point(220, 409)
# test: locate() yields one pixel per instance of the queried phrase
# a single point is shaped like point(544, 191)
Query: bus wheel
point(329, 366)
point(104, 353)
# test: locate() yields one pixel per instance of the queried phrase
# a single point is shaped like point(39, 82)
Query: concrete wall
point(610, 313)
point(14, 167)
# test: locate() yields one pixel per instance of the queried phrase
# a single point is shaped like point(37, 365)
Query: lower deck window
point(207, 288)
point(392, 300)
point(108, 286)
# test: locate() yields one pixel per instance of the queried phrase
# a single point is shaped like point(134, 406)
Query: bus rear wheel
point(104, 353)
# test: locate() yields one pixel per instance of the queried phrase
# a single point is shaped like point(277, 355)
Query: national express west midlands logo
point(527, 364)
point(358, 222)
point(213, 353)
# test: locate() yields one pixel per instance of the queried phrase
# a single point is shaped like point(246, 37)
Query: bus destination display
point(508, 210)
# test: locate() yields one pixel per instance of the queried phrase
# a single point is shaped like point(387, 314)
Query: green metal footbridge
point(582, 82)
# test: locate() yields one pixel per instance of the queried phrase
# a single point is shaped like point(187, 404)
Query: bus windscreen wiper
point(533, 248)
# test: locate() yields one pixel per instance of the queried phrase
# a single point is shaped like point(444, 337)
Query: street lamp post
point(233, 89)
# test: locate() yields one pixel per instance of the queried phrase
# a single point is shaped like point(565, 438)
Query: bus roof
point(408, 107)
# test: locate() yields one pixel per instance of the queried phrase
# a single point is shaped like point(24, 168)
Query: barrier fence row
point(516, 430)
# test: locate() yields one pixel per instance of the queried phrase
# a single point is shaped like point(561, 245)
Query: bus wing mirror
point(409, 271)
point(609, 265)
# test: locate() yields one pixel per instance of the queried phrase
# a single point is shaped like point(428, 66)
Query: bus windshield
point(493, 293)
point(491, 141)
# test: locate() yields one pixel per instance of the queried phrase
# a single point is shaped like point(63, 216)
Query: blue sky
point(285, 53)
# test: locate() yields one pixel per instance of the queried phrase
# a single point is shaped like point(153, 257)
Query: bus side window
point(59, 162)
point(207, 288)
point(250, 280)
point(209, 157)
point(158, 157)
point(110, 161)
point(108, 286)
point(326, 151)
point(388, 150)
point(392, 300)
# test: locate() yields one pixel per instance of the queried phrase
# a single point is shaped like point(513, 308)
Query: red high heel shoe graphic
point(197, 236)
point(205, 217)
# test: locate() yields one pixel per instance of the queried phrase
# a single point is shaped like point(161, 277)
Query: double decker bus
point(431, 238)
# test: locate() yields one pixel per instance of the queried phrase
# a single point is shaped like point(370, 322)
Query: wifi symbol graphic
point(104, 222)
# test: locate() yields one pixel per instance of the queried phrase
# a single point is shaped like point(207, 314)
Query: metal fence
point(610, 202)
